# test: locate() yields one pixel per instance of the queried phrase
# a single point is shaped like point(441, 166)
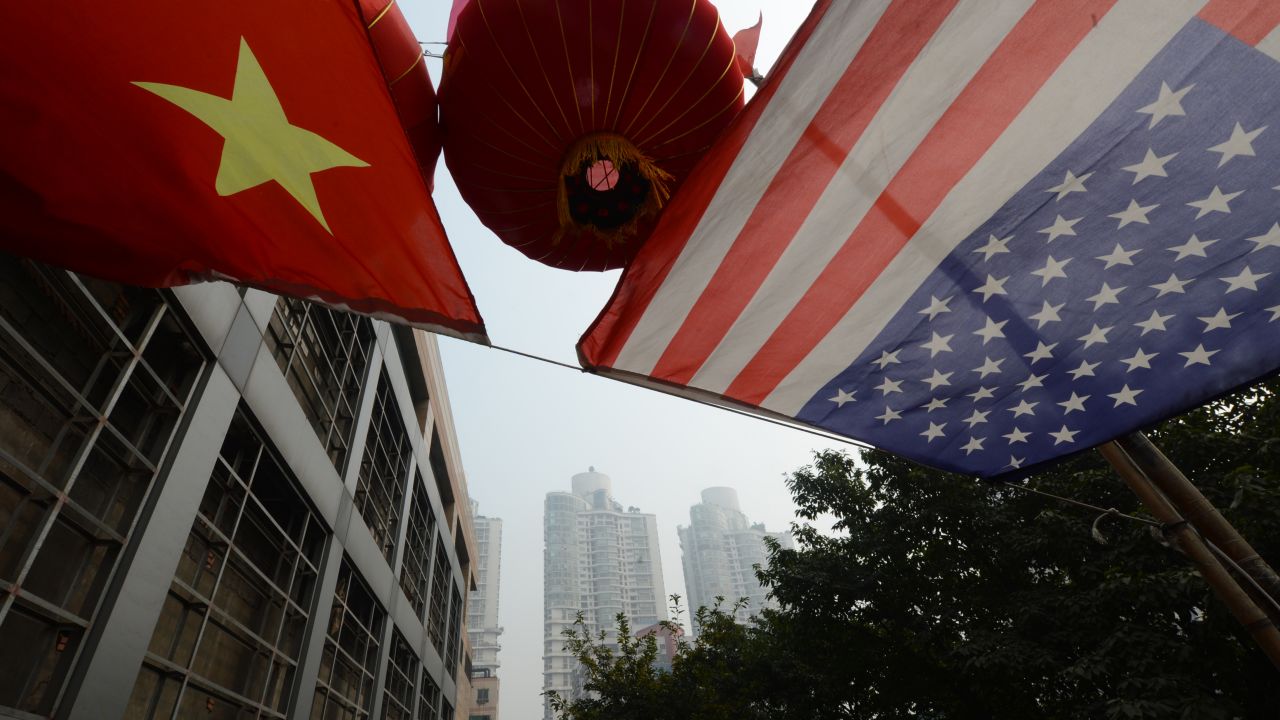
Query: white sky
point(525, 427)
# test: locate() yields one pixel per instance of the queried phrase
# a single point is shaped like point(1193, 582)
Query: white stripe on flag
point(817, 68)
point(939, 73)
point(1271, 44)
point(1091, 77)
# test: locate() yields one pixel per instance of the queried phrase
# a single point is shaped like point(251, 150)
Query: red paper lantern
point(568, 123)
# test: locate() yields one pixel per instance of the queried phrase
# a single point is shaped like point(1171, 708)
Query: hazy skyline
point(526, 427)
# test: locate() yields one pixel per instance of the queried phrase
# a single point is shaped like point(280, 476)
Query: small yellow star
point(260, 143)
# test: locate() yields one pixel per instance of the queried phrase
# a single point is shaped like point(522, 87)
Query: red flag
point(159, 143)
point(983, 237)
point(745, 42)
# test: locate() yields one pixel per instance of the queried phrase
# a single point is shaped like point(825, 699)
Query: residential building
point(719, 550)
point(668, 641)
point(483, 629)
point(218, 503)
point(599, 560)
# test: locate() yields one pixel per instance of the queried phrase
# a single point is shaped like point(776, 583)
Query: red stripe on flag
point(1023, 62)
point(600, 345)
point(1250, 22)
point(903, 30)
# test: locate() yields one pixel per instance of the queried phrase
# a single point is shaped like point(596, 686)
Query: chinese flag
point(161, 143)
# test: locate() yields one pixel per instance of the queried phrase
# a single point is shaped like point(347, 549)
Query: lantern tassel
point(624, 156)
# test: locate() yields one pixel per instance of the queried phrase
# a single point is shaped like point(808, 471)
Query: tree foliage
point(937, 596)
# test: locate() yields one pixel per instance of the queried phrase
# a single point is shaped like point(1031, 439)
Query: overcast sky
point(526, 427)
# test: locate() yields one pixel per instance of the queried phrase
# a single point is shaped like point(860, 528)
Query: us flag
point(980, 235)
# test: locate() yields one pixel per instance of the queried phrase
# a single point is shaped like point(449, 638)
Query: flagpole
point(1197, 509)
point(1242, 606)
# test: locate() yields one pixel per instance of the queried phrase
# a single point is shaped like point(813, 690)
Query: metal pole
point(1198, 511)
point(1219, 580)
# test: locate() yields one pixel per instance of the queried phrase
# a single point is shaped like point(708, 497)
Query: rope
point(1072, 501)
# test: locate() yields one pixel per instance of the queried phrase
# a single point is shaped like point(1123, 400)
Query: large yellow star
point(259, 142)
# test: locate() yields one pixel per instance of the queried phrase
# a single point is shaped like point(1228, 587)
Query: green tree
point(937, 596)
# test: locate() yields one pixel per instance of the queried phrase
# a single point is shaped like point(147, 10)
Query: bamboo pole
point(1198, 511)
point(1244, 609)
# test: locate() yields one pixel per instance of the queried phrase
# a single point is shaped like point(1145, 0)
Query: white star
point(1125, 397)
point(1060, 227)
point(1220, 321)
point(1270, 238)
point(988, 367)
point(1240, 143)
point(1075, 402)
point(938, 380)
point(977, 418)
point(991, 330)
point(1095, 336)
point(889, 386)
point(1155, 322)
point(1168, 104)
point(1199, 356)
point(1215, 202)
point(935, 404)
point(1042, 352)
point(1064, 436)
point(934, 431)
point(975, 443)
point(1105, 296)
point(889, 415)
point(938, 343)
point(982, 393)
point(1069, 185)
point(1052, 269)
point(1017, 436)
point(1246, 280)
point(1119, 256)
point(843, 397)
point(994, 246)
point(1015, 462)
point(1032, 381)
point(887, 358)
point(1135, 213)
point(1172, 285)
point(1047, 314)
point(1193, 246)
point(1275, 313)
point(1085, 370)
point(992, 287)
point(1140, 359)
point(936, 306)
point(1023, 408)
point(1151, 165)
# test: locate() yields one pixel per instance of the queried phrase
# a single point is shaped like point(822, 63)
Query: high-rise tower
point(483, 629)
point(600, 560)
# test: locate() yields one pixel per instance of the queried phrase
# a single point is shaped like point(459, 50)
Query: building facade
point(719, 550)
point(598, 560)
point(483, 629)
point(217, 503)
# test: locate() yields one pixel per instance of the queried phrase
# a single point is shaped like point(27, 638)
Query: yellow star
point(259, 142)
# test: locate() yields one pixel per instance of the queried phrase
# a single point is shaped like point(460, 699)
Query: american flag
point(979, 235)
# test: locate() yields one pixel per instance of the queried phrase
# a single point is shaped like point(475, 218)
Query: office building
point(217, 503)
point(719, 550)
point(600, 560)
point(483, 629)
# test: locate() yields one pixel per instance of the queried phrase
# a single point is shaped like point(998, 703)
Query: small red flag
point(745, 42)
point(159, 143)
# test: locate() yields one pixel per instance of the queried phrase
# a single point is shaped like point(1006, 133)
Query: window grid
point(380, 485)
point(229, 637)
point(439, 599)
point(455, 633)
point(428, 698)
point(344, 688)
point(402, 668)
point(415, 571)
point(94, 378)
point(323, 354)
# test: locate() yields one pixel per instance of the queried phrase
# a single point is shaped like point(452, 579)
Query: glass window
point(94, 379)
point(323, 354)
point(344, 688)
point(455, 633)
point(428, 698)
point(380, 486)
point(229, 637)
point(402, 669)
point(439, 599)
point(415, 572)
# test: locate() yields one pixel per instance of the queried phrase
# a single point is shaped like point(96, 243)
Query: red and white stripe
point(889, 132)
